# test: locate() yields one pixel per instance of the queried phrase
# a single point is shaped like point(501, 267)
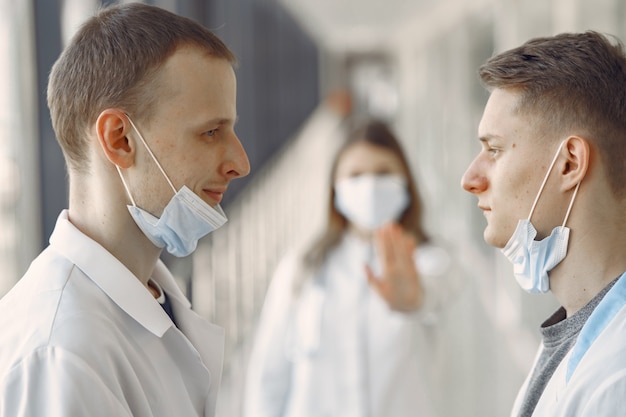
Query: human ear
point(112, 127)
point(577, 154)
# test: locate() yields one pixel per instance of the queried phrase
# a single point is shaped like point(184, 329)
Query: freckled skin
point(507, 174)
point(202, 100)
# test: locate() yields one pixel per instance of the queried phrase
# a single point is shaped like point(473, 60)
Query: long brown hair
point(379, 134)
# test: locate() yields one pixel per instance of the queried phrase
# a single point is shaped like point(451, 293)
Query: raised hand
point(399, 284)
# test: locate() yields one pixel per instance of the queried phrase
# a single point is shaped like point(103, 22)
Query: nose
point(474, 180)
point(236, 164)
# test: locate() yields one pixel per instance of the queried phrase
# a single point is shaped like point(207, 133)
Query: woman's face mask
point(370, 200)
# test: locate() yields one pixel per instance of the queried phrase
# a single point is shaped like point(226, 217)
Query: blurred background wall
point(413, 63)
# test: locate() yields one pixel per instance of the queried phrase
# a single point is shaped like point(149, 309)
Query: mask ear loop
point(545, 180)
point(571, 203)
point(132, 200)
point(151, 154)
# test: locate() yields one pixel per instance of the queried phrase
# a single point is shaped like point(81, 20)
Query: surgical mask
point(369, 201)
point(185, 219)
point(531, 259)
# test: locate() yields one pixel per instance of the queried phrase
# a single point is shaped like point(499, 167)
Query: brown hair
point(113, 61)
point(376, 133)
point(571, 84)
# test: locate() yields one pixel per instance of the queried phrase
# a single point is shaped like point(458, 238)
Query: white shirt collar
point(113, 278)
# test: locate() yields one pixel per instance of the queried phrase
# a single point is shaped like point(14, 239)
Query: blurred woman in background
point(348, 325)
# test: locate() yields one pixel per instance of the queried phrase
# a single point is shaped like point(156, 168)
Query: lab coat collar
point(600, 318)
point(113, 278)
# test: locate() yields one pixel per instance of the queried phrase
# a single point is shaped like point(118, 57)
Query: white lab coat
point(81, 336)
point(590, 381)
point(337, 350)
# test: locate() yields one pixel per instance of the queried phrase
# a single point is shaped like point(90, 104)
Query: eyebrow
point(219, 121)
point(225, 120)
point(488, 138)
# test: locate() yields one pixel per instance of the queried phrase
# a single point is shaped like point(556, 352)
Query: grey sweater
point(559, 336)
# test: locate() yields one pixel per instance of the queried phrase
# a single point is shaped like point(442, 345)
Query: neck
point(361, 233)
point(107, 221)
point(596, 256)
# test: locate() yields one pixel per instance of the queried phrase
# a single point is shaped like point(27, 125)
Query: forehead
point(193, 81)
point(364, 158)
point(501, 117)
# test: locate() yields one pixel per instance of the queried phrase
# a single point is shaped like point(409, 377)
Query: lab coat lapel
point(208, 339)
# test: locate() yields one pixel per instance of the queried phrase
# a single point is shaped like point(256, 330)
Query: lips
point(215, 194)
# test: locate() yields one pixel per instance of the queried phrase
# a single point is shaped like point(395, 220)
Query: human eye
point(211, 132)
point(382, 171)
point(493, 151)
point(491, 145)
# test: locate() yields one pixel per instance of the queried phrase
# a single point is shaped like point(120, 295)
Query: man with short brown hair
point(143, 103)
point(551, 181)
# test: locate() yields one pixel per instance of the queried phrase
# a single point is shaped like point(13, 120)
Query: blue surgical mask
point(185, 219)
point(369, 200)
point(532, 259)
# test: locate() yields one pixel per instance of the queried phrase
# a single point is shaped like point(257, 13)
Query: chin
point(493, 240)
